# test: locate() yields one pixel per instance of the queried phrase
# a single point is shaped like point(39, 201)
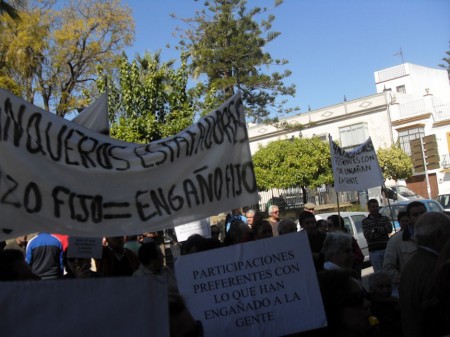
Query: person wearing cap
point(310, 207)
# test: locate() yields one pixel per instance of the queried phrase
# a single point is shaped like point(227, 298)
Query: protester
point(250, 215)
point(262, 230)
point(116, 260)
point(307, 222)
point(14, 268)
point(337, 251)
point(287, 226)
point(132, 243)
point(376, 229)
point(152, 263)
point(346, 305)
point(322, 226)
point(432, 232)
point(44, 254)
point(239, 232)
point(384, 306)
point(235, 215)
point(215, 232)
point(198, 243)
point(336, 224)
point(274, 218)
point(402, 245)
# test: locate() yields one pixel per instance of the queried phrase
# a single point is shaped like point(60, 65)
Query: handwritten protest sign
point(357, 169)
point(57, 176)
point(260, 288)
point(201, 227)
point(85, 307)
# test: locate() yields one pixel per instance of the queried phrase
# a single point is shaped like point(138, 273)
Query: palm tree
point(11, 8)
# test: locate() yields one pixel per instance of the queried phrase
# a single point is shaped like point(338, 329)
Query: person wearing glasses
point(402, 245)
point(274, 218)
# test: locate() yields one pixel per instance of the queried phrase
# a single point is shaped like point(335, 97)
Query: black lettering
point(10, 191)
point(190, 190)
point(32, 192)
point(57, 203)
point(68, 148)
point(141, 206)
point(34, 122)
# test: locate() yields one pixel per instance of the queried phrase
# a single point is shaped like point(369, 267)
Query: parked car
point(430, 205)
point(352, 221)
point(444, 200)
point(400, 193)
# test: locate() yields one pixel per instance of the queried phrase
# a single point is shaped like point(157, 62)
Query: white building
point(411, 102)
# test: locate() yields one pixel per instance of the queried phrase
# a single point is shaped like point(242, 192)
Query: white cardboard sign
point(261, 288)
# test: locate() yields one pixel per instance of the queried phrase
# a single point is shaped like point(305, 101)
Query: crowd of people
point(407, 295)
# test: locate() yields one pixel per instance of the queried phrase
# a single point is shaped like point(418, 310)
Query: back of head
point(335, 243)
point(336, 221)
point(305, 215)
point(148, 251)
point(412, 205)
point(287, 226)
point(432, 230)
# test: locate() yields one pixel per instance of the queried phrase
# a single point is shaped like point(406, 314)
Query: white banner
point(357, 169)
point(260, 288)
point(201, 227)
point(59, 177)
point(95, 117)
point(116, 306)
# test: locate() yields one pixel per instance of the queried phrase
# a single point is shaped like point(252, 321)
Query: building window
point(401, 89)
point(353, 135)
point(406, 136)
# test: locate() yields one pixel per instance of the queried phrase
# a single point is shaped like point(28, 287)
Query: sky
point(333, 46)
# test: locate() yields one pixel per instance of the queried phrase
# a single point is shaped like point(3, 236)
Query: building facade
point(411, 102)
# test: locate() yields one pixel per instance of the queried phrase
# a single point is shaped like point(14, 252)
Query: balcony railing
point(441, 112)
point(445, 163)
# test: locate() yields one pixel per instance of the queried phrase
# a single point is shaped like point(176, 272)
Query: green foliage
point(446, 65)
point(226, 43)
point(294, 162)
point(394, 162)
point(148, 100)
point(51, 54)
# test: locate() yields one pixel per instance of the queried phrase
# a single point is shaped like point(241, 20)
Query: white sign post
point(260, 288)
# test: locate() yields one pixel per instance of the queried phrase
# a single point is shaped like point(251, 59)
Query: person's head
point(236, 211)
point(415, 209)
point(337, 248)
point(274, 212)
point(373, 207)
point(403, 219)
point(432, 230)
point(335, 223)
point(287, 226)
point(307, 221)
point(380, 285)
point(309, 207)
point(322, 226)
point(215, 232)
point(115, 242)
point(151, 257)
point(237, 233)
point(345, 305)
point(250, 215)
point(263, 230)
point(13, 266)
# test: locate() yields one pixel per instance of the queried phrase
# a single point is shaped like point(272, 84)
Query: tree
point(11, 8)
point(61, 48)
point(304, 162)
point(394, 162)
point(149, 100)
point(226, 44)
point(446, 65)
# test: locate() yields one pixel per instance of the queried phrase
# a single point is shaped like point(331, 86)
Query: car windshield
point(395, 210)
point(404, 191)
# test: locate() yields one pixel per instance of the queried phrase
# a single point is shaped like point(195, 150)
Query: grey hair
point(334, 243)
point(271, 207)
point(250, 211)
point(432, 230)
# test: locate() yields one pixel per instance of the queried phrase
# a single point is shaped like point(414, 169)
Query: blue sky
point(333, 46)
